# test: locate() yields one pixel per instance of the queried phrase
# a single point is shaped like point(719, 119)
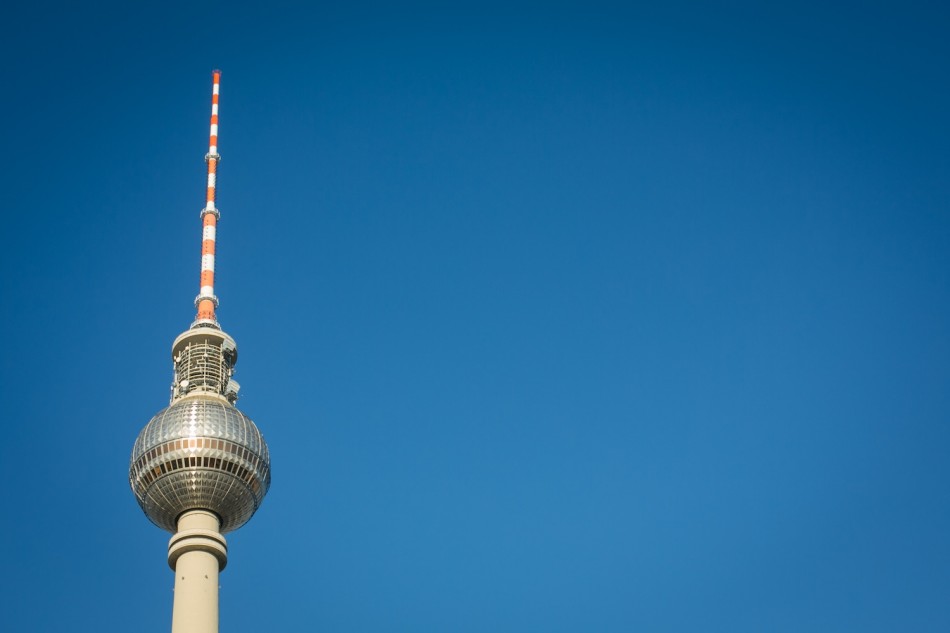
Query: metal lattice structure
point(204, 360)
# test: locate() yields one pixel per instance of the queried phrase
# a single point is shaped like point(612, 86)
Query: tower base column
point(197, 553)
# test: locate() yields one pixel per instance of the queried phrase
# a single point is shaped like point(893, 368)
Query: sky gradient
point(556, 317)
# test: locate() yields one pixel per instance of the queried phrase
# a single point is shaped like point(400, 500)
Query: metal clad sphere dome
point(200, 453)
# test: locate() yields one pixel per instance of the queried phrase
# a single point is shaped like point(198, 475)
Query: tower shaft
point(197, 552)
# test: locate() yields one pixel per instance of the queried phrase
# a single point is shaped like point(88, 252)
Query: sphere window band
point(146, 475)
point(196, 443)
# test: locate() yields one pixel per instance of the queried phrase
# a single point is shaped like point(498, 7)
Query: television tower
point(200, 467)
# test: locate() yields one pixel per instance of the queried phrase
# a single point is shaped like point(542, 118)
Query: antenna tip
point(216, 72)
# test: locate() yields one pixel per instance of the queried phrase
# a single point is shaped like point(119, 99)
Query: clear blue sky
point(556, 317)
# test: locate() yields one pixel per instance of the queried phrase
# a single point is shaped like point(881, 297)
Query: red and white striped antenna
point(206, 301)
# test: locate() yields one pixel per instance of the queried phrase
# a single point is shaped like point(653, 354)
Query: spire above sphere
point(206, 301)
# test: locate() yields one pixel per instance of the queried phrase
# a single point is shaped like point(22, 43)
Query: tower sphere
point(200, 453)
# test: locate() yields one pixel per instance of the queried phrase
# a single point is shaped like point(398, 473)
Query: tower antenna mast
point(206, 302)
